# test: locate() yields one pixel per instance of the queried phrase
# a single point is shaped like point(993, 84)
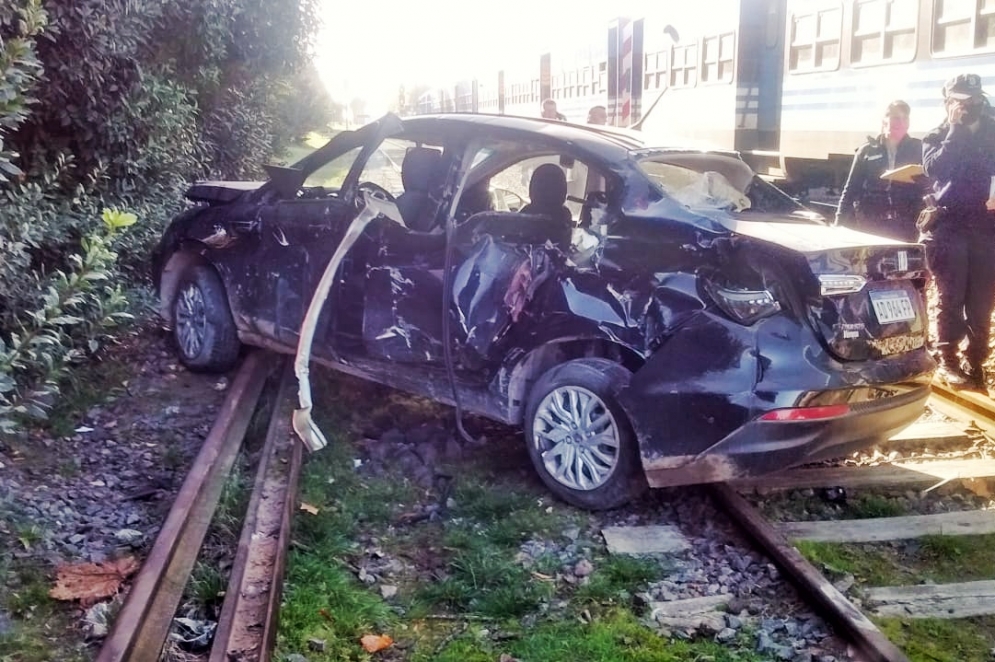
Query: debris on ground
point(88, 582)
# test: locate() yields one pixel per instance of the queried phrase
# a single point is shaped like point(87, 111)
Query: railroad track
point(246, 629)
point(247, 626)
point(922, 601)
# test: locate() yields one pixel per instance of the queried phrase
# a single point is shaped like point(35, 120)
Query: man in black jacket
point(879, 206)
point(960, 156)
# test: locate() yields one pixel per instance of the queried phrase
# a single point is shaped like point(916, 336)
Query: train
point(795, 86)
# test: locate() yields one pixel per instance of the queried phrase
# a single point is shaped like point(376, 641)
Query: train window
point(814, 38)
point(654, 70)
point(963, 26)
point(884, 31)
point(684, 71)
point(717, 58)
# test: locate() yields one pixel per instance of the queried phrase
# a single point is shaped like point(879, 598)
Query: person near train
point(959, 156)
point(597, 115)
point(881, 206)
point(550, 112)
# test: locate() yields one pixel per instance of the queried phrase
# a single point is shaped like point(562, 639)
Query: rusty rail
point(141, 627)
point(870, 642)
point(247, 625)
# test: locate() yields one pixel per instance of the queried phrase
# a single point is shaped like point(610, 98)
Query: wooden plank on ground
point(963, 405)
point(935, 433)
point(933, 601)
point(877, 529)
point(881, 475)
point(644, 539)
point(689, 606)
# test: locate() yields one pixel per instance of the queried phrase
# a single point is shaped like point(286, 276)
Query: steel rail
point(143, 624)
point(870, 642)
point(247, 625)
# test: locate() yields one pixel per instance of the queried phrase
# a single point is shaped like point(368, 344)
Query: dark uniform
point(879, 206)
point(959, 247)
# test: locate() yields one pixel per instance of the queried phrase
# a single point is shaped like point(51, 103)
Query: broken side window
point(332, 174)
point(386, 165)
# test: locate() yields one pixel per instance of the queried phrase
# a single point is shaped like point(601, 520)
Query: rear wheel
point(202, 323)
point(580, 439)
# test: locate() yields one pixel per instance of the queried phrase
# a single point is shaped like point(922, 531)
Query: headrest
point(548, 186)
point(418, 168)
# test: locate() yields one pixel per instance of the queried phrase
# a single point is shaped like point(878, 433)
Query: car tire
point(566, 401)
point(203, 327)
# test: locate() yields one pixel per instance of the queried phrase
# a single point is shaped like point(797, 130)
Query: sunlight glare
point(368, 50)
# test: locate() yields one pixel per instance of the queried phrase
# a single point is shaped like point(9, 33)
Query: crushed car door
point(402, 311)
point(506, 254)
point(301, 227)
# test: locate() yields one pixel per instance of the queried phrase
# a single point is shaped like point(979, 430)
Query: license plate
point(892, 306)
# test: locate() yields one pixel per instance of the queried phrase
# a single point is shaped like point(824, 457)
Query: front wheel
point(580, 439)
point(202, 323)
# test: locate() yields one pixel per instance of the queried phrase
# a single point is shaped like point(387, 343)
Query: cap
point(963, 86)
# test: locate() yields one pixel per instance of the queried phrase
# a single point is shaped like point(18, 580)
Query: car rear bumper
point(760, 447)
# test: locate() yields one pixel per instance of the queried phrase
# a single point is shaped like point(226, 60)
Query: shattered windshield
point(706, 182)
point(695, 189)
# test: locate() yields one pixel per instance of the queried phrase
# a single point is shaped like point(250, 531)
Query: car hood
point(804, 237)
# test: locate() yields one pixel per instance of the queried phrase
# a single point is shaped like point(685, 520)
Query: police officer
point(879, 206)
point(960, 156)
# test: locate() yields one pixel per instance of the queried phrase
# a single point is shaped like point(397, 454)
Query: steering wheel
point(377, 191)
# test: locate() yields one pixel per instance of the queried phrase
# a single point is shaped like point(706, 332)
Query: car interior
point(511, 188)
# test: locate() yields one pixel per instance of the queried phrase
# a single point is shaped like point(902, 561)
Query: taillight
point(841, 283)
point(743, 306)
point(806, 413)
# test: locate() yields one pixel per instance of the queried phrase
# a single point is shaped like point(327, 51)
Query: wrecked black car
point(648, 316)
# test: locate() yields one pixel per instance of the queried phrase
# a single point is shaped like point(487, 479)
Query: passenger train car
point(794, 85)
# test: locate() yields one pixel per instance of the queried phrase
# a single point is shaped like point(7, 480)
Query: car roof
point(606, 141)
point(609, 142)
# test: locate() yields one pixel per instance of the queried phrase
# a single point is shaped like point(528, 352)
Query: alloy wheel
point(577, 437)
point(191, 320)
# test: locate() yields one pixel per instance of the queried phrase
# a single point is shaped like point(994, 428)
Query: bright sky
point(368, 49)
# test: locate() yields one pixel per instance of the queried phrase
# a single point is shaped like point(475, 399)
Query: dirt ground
point(95, 485)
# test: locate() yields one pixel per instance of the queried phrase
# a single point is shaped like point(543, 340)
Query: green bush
point(77, 307)
point(122, 105)
point(19, 70)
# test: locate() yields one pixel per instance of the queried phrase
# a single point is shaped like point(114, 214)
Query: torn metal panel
point(304, 426)
point(492, 288)
point(398, 326)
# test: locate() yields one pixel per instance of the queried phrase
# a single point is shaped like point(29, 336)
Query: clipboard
point(906, 174)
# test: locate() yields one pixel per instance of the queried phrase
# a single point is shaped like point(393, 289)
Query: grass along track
point(457, 552)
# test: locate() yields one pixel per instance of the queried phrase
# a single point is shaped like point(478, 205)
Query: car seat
point(548, 193)
point(419, 171)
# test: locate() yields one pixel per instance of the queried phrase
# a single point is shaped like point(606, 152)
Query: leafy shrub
point(19, 70)
point(121, 105)
point(77, 308)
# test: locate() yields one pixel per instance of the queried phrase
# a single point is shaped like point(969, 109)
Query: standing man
point(960, 156)
point(875, 205)
point(597, 115)
point(549, 111)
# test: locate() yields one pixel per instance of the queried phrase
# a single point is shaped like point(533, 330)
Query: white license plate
point(892, 306)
